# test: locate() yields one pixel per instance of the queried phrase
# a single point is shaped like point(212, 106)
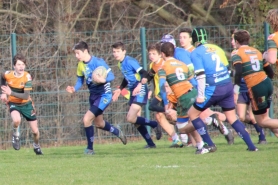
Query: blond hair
point(272, 19)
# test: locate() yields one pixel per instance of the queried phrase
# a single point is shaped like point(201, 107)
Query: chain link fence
point(52, 64)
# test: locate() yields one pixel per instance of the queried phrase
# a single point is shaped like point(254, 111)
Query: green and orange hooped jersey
point(154, 67)
point(252, 64)
point(18, 84)
point(272, 43)
point(177, 75)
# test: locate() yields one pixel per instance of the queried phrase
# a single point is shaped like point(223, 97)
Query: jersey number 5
point(255, 63)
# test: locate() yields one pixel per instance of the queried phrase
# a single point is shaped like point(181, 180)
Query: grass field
point(117, 164)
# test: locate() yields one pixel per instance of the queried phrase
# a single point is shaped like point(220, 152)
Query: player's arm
point(3, 80)
point(201, 81)
point(123, 84)
point(237, 76)
point(144, 74)
point(162, 90)
point(271, 54)
point(110, 75)
point(268, 69)
point(79, 83)
point(200, 75)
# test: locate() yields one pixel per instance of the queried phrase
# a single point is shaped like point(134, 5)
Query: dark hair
point(199, 35)
point(155, 47)
point(119, 45)
point(17, 57)
point(81, 46)
point(168, 49)
point(242, 37)
point(186, 30)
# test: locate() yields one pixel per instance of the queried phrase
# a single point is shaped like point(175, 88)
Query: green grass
point(117, 164)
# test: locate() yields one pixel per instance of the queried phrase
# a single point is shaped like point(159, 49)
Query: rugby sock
point(144, 132)
point(110, 128)
point(200, 126)
point(144, 121)
point(16, 131)
point(175, 137)
point(260, 131)
point(240, 129)
point(90, 136)
point(200, 145)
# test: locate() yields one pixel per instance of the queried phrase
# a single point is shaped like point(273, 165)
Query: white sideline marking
point(173, 166)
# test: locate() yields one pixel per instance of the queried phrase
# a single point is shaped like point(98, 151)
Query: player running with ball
point(100, 93)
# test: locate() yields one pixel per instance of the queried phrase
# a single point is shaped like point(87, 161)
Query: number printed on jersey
point(179, 73)
point(255, 62)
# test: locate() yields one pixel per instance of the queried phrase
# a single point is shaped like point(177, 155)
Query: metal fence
point(52, 65)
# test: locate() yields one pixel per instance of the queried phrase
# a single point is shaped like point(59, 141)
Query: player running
point(135, 78)
point(100, 94)
point(17, 84)
point(214, 88)
point(177, 75)
point(248, 62)
point(156, 64)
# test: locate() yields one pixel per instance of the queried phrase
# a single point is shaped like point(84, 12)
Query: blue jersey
point(85, 70)
point(130, 69)
point(183, 55)
point(208, 60)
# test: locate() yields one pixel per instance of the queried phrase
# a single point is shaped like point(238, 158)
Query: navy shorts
point(98, 103)
point(141, 98)
point(243, 98)
point(222, 96)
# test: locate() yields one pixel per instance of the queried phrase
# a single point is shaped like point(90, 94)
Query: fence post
point(13, 49)
point(145, 66)
point(266, 34)
point(13, 46)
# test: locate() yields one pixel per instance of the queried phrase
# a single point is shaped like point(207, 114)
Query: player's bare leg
point(36, 136)
point(216, 119)
point(16, 135)
point(132, 117)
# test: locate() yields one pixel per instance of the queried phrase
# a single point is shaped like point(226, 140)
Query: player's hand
point(137, 89)
point(70, 89)
point(4, 98)
point(144, 80)
point(150, 95)
point(98, 79)
point(235, 98)
point(6, 89)
point(116, 94)
point(200, 99)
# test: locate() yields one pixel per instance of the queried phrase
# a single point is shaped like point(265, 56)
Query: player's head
point(185, 37)
point(199, 35)
point(168, 38)
point(167, 49)
point(19, 63)
point(233, 39)
point(241, 37)
point(154, 52)
point(119, 51)
point(81, 51)
point(272, 19)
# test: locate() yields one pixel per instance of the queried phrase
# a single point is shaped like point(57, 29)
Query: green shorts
point(27, 110)
point(185, 102)
point(260, 95)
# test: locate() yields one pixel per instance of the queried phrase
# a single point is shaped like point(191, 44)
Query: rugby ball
point(101, 71)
